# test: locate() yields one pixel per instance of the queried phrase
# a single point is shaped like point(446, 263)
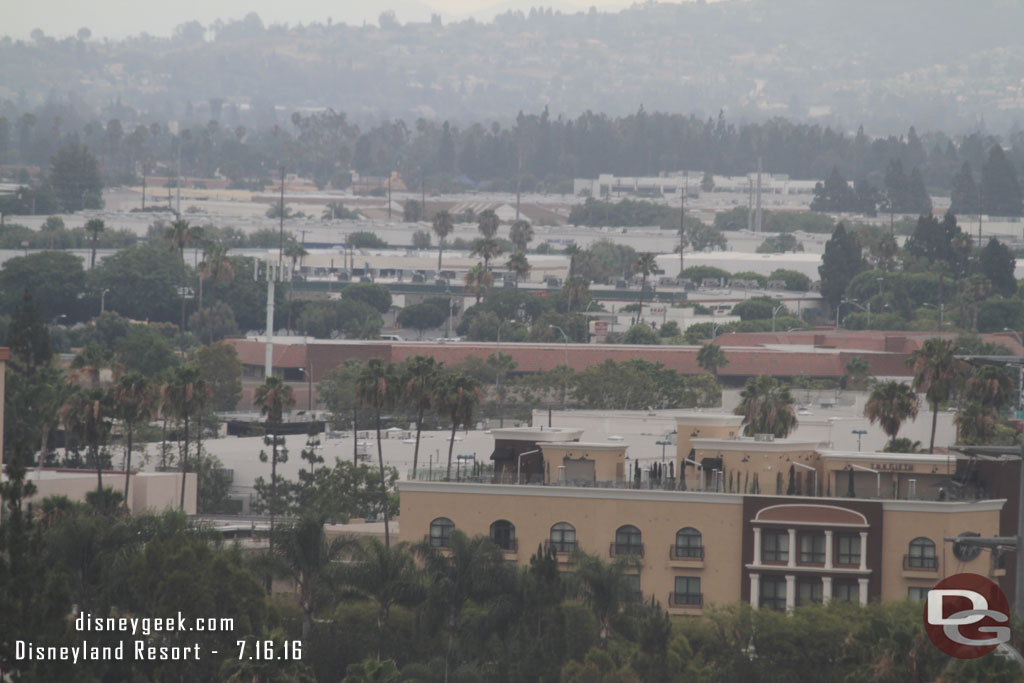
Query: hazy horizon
point(117, 19)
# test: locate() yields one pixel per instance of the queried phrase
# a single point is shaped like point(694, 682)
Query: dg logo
point(967, 616)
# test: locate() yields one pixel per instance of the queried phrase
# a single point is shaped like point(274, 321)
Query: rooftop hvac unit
point(764, 437)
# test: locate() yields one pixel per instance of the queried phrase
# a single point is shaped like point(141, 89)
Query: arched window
point(503, 533)
point(688, 544)
point(563, 537)
point(441, 532)
point(628, 541)
point(921, 554)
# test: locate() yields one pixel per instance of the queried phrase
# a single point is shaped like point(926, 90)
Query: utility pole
point(280, 206)
point(177, 206)
point(757, 225)
point(682, 221)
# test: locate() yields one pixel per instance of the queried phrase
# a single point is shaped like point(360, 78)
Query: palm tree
point(479, 280)
point(990, 387)
point(604, 587)
point(375, 388)
point(521, 234)
point(456, 395)
point(443, 226)
point(891, 404)
point(935, 369)
point(134, 400)
point(572, 251)
point(180, 235)
point(94, 227)
point(519, 265)
point(87, 415)
point(90, 363)
point(486, 248)
point(500, 364)
point(388, 576)
point(711, 357)
point(274, 398)
point(646, 265)
point(295, 252)
point(304, 555)
point(185, 394)
point(471, 569)
point(215, 266)
point(420, 374)
point(575, 289)
point(858, 373)
point(766, 407)
point(487, 223)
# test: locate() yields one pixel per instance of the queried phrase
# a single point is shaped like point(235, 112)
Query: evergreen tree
point(997, 263)
point(1000, 191)
point(934, 241)
point(964, 194)
point(841, 262)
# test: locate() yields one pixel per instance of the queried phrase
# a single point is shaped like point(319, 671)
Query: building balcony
point(561, 547)
point(916, 567)
point(509, 546)
point(624, 549)
point(686, 557)
point(685, 600)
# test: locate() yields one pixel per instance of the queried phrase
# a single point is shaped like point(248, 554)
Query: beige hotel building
point(777, 523)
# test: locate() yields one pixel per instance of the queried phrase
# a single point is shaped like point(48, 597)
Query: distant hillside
point(938, 65)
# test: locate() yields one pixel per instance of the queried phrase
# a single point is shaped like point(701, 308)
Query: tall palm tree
point(575, 290)
point(180, 235)
point(184, 396)
point(87, 415)
point(935, 369)
point(375, 388)
point(419, 376)
point(443, 226)
point(711, 357)
point(486, 248)
point(521, 234)
point(766, 407)
point(891, 404)
point(303, 554)
point(604, 587)
point(456, 396)
point(471, 569)
point(94, 226)
point(857, 373)
point(274, 398)
point(215, 266)
point(487, 223)
point(645, 265)
point(572, 251)
point(519, 265)
point(990, 387)
point(134, 399)
point(295, 252)
point(388, 576)
point(479, 280)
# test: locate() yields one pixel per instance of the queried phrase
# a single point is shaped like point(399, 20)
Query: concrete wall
point(147, 491)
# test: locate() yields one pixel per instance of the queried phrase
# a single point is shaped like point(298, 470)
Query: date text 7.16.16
point(267, 650)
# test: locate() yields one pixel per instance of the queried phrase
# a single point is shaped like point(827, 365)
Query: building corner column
point(826, 590)
point(790, 592)
point(863, 585)
point(792, 548)
point(863, 550)
point(757, 545)
point(755, 590)
point(828, 549)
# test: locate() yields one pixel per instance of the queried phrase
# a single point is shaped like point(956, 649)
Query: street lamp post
point(859, 433)
point(565, 380)
point(775, 312)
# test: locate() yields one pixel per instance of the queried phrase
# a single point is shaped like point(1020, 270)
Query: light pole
point(565, 380)
point(859, 433)
point(775, 312)
point(854, 303)
point(812, 469)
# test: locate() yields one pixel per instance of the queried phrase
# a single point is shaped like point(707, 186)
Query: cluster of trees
point(939, 278)
point(125, 378)
point(536, 152)
point(364, 611)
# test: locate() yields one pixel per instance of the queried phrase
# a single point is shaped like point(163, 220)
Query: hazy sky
point(117, 18)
